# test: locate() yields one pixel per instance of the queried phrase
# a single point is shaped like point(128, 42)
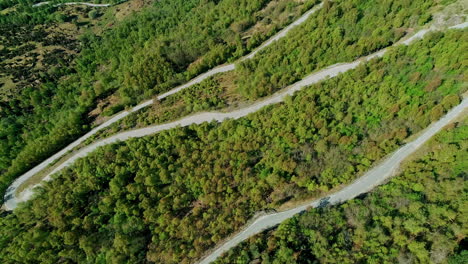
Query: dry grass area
point(452, 14)
point(31, 62)
point(228, 85)
point(30, 55)
point(274, 14)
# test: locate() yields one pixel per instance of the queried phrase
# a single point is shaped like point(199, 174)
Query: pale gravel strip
point(10, 204)
point(199, 118)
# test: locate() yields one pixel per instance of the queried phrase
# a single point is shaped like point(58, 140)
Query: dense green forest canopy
point(150, 51)
point(22, 12)
point(418, 217)
point(168, 198)
point(340, 32)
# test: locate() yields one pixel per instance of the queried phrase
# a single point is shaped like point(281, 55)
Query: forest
point(341, 31)
point(163, 44)
point(213, 93)
point(32, 59)
point(23, 12)
point(418, 217)
point(179, 40)
point(327, 37)
point(168, 198)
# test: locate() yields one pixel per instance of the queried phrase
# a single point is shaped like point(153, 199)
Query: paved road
point(73, 3)
point(364, 184)
point(11, 200)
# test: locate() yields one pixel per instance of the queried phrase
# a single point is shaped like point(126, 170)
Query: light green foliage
point(341, 31)
point(146, 53)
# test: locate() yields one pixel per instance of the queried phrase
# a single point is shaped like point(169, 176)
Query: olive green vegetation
point(418, 217)
point(341, 31)
point(22, 12)
point(32, 58)
point(146, 53)
point(180, 40)
point(168, 198)
point(210, 94)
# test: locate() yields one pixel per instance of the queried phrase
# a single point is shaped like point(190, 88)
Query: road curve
point(10, 192)
point(367, 182)
point(11, 200)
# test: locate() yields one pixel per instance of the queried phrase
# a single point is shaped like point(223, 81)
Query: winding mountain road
point(364, 184)
point(11, 200)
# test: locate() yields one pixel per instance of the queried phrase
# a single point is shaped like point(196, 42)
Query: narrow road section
point(11, 200)
point(370, 180)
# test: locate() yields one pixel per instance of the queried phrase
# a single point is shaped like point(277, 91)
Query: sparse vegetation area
point(215, 93)
point(33, 59)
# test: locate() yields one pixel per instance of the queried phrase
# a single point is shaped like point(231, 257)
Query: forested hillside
point(340, 32)
point(168, 198)
point(418, 217)
point(113, 64)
